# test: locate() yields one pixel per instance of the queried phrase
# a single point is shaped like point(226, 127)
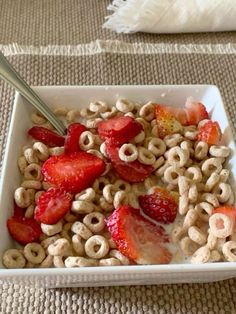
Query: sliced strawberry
point(160, 206)
point(210, 133)
point(18, 211)
point(74, 172)
point(179, 114)
point(229, 211)
point(24, 230)
point(72, 138)
point(46, 136)
point(119, 130)
point(195, 112)
point(133, 172)
point(138, 238)
point(166, 122)
point(52, 206)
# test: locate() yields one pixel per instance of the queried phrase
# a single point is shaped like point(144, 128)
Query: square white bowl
point(78, 97)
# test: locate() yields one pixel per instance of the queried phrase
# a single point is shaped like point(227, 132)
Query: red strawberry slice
point(138, 238)
point(119, 130)
point(18, 211)
point(179, 114)
point(72, 138)
point(229, 211)
point(133, 172)
point(210, 133)
point(166, 122)
point(52, 206)
point(24, 230)
point(160, 206)
point(195, 112)
point(46, 136)
point(74, 172)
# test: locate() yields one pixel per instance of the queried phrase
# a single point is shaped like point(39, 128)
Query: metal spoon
point(9, 74)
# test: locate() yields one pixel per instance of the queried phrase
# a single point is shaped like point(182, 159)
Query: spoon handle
point(9, 74)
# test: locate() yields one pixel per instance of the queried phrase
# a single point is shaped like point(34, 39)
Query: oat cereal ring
point(51, 230)
point(58, 261)
point(190, 218)
point(80, 229)
point(94, 221)
point(41, 151)
point(204, 210)
point(30, 156)
point(211, 241)
point(120, 198)
point(124, 105)
point(201, 150)
point(194, 174)
point(210, 198)
point(129, 114)
point(188, 247)
point(37, 118)
point(13, 258)
point(60, 247)
point(29, 213)
point(150, 182)
point(47, 262)
point(109, 192)
point(157, 146)
point(82, 207)
point(221, 226)
point(183, 204)
point(105, 206)
point(215, 256)
point(31, 184)
point(88, 114)
point(56, 151)
point(228, 251)
point(86, 195)
point(212, 181)
point(72, 115)
point(219, 151)
point(210, 165)
point(202, 122)
point(93, 123)
point(177, 233)
point(190, 132)
point(202, 255)
point(154, 131)
point(34, 253)
point(96, 247)
point(139, 138)
point(122, 185)
point(138, 189)
point(196, 235)
point(158, 163)
point(109, 262)
point(224, 175)
point(128, 152)
point(98, 106)
point(78, 244)
point(109, 113)
point(33, 172)
point(219, 244)
point(172, 173)
point(99, 184)
point(46, 242)
point(37, 195)
point(177, 156)
point(233, 237)
point(95, 153)
point(22, 164)
point(72, 261)
point(186, 144)
point(60, 111)
point(118, 255)
point(222, 192)
point(173, 140)
point(145, 156)
point(86, 140)
point(103, 150)
point(22, 197)
point(147, 111)
point(144, 123)
point(183, 184)
point(231, 199)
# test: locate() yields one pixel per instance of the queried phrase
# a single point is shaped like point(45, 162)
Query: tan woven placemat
point(58, 22)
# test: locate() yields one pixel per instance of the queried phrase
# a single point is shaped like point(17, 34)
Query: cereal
point(128, 152)
point(13, 258)
point(91, 247)
point(34, 253)
point(221, 226)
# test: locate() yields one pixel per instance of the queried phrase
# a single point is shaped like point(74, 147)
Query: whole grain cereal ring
point(86, 140)
point(173, 140)
point(150, 182)
point(196, 235)
point(99, 184)
point(13, 258)
point(109, 193)
point(46, 242)
point(82, 207)
point(37, 118)
point(103, 150)
point(29, 213)
point(95, 152)
point(94, 221)
point(212, 181)
point(139, 138)
point(124, 105)
point(22, 197)
point(56, 151)
point(194, 174)
point(222, 191)
point(86, 195)
point(188, 247)
point(147, 111)
point(30, 156)
point(118, 255)
point(210, 165)
point(73, 261)
point(202, 255)
point(96, 247)
point(34, 253)
point(204, 210)
point(129, 114)
point(215, 256)
point(37, 195)
point(51, 230)
point(172, 173)
point(93, 124)
point(138, 189)
point(80, 229)
point(224, 175)
point(60, 111)
point(211, 241)
point(72, 115)
point(228, 251)
point(144, 123)
point(98, 106)
point(105, 206)
point(47, 262)
point(201, 150)
point(120, 198)
point(41, 151)
point(219, 151)
point(128, 152)
point(219, 244)
point(158, 163)
point(154, 131)
point(157, 146)
point(221, 226)
point(177, 156)
point(190, 132)
point(193, 193)
point(202, 122)
point(183, 204)
point(109, 113)
point(33, 172)
point(109, 262)
point(186, 144)
point(31, 184)
point(122, 185)
point(78, 244)
point(190, 218)
point(183, 184)
point(210, 198)
point(177, 233)
point(22, 164)
point(160, 171)
point(88, 114)
point(58, 261)
point(145, 156)
point(60, 247)
point(230, 201)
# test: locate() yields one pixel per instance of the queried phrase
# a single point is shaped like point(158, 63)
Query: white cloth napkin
point(172, 16)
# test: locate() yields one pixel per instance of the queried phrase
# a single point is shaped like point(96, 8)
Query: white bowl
point(77, 97)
